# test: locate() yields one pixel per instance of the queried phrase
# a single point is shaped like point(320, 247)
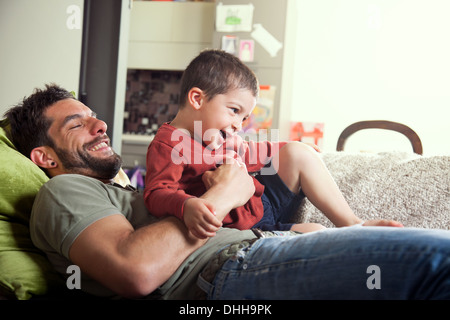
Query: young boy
point(218, 92)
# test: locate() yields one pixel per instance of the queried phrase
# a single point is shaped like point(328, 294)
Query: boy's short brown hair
point(217, 72)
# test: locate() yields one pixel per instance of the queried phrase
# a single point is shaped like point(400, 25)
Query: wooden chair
point(380, 124)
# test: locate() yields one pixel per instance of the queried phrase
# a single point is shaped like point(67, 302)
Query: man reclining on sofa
point(80, 217)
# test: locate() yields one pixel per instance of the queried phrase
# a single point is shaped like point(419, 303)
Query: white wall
point(371, 60)
point(40, 43)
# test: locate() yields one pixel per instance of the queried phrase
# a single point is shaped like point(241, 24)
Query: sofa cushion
point(24, 269)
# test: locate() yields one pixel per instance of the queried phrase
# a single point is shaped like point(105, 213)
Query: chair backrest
point(380, 124)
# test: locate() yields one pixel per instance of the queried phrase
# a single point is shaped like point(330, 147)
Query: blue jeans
point(340, 263)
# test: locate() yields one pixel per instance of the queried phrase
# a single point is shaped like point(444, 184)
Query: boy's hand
point(200, 219)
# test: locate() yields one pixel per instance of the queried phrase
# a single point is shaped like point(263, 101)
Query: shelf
point(136, 138)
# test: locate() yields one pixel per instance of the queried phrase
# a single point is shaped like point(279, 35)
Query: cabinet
point(275, 71)
point(163, 38)
point(168, 35)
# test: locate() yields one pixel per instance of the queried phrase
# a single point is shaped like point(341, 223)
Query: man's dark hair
point(29, 126)
point(217, 72)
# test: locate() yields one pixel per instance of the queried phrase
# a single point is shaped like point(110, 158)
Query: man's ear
point(43, 157)
point(196, 96)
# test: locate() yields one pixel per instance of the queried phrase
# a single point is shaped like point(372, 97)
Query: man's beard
point(82, 162)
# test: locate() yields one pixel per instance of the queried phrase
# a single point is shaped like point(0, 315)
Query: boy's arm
point(200, 218)
point(162, 195)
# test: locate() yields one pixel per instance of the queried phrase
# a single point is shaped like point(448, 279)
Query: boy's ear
point(196, 97)
point(42, 157)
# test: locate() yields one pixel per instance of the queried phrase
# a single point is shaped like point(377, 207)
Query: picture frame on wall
point(246, 50)
point(230, 44)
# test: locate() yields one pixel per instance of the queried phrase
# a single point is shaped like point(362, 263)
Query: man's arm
point(134, 263)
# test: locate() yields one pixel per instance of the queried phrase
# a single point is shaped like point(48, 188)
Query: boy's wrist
point(183, 208)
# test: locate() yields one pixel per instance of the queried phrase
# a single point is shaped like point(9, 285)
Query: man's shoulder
point(69, 178)
point(70, 181)
point(75, 191)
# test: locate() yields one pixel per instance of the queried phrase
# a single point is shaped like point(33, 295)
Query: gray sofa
point(406, 187)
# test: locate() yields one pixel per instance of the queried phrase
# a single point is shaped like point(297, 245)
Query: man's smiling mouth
point(102, 143)
point(99, 146)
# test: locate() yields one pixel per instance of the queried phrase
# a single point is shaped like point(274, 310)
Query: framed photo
point(246, 50)
point(230, 44)
point(234, 18)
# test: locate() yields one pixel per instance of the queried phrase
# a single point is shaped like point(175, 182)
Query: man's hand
point(229, 186)
point(233, 177)
point(200, 218)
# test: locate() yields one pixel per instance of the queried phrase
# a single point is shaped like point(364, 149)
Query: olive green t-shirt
point(67, 204)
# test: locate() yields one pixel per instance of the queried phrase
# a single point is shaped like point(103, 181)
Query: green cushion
point(24, 270)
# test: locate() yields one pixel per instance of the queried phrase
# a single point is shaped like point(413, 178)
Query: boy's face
point(223, 115)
